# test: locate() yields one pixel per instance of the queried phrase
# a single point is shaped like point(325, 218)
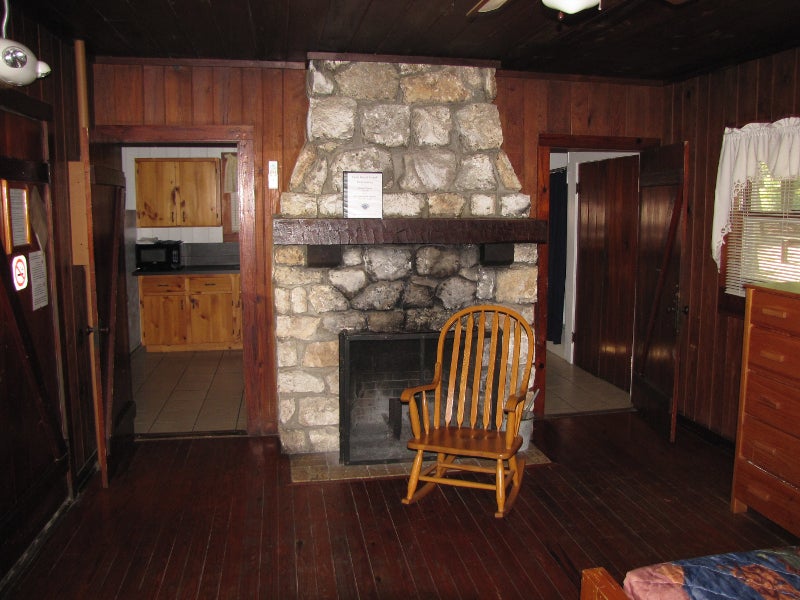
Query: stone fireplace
point(434, 133)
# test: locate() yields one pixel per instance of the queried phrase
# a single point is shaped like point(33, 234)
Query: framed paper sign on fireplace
point(363, 194)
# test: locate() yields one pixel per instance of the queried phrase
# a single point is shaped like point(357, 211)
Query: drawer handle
point(766, 448)
point(773, 356)
point(774, 312)
point(210, 284)
point(759, 493)
point(769, 402)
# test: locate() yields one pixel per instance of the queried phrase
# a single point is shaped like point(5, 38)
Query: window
point(757, 204)
point(763, 244)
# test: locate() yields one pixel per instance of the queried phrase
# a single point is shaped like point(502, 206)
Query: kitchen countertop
point(192, 270)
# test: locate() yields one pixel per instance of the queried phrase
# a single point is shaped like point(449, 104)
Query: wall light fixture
point(18, 64)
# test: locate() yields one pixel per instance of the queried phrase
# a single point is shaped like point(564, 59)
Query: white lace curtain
point(777, 145)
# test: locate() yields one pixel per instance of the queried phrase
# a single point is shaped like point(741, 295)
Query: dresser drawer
point(772, 401)
point(768, 495)
point(774, 352)
point(162, 284)
point(776, 310)
point(772, 449)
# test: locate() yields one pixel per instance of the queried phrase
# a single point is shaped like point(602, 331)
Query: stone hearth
point(436, 137)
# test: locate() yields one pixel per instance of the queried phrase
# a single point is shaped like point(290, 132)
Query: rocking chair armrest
point(513, 401)
point(408, 394)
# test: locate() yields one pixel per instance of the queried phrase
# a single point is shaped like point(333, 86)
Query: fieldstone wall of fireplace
point(434, 133)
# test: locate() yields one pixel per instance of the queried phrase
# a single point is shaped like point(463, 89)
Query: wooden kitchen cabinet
point(766, 473)
point(181, 192)
point(163, 308)
point(211, 300)
point(191, 312)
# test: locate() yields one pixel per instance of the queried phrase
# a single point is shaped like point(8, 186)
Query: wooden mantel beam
point(407, 231)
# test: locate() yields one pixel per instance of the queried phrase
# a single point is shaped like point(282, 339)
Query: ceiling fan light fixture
point(570, 7)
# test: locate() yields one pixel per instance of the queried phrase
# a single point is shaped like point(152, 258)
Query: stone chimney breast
point(434, 134)
point(430, 130)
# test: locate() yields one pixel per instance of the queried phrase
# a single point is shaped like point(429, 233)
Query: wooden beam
point(408, 231)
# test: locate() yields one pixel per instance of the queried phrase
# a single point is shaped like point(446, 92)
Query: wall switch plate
point(272, 175)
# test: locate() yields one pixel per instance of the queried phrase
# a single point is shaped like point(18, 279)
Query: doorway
point(191, 391)
point(573, 386)
point(256, 314)
point(662, 184)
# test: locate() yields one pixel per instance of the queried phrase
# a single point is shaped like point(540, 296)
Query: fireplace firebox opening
point(374, 370)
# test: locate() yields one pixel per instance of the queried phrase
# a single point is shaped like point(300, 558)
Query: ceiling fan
point(562, 6)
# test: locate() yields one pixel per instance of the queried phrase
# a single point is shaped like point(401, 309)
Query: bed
point(768, 573)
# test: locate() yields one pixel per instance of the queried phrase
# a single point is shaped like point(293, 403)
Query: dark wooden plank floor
point(218, 518)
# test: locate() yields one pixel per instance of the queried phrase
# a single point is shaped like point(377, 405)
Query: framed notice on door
point(15, 222)
point(363, 194)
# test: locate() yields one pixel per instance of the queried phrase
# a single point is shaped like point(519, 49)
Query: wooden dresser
point(767, 467)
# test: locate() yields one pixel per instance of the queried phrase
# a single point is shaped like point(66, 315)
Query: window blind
point(763, 244)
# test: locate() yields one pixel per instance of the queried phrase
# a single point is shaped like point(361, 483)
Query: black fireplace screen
point(374, 369)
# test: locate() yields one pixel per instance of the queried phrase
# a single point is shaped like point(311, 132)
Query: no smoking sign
point(19, 272)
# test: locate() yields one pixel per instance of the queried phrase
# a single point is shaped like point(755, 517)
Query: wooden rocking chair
point(480, 382)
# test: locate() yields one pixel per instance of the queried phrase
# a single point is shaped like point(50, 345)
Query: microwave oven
point(162, 255)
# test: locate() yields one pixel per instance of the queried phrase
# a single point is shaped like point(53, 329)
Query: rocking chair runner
point(483, 364)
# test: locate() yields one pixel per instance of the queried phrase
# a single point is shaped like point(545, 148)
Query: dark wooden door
point(111, 330)
point(33, 452)
point(659, 307)
point(605, 277)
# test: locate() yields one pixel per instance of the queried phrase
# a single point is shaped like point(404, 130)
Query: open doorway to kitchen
point(258, 350)
point(181, 386)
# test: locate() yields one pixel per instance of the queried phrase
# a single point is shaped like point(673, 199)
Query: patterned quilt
point(773, 573)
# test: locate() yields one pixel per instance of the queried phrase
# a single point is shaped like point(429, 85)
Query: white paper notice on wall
point(38, 279)
point(272, 174)
point(363, 194)
point(18, 206)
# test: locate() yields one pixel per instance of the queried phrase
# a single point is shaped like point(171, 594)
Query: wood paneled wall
point(531, 106)
point(191, 94)
point(698, 110)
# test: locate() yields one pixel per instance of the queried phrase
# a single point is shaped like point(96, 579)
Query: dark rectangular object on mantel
point(323, 256)
point(407, 231)
point(495, 255)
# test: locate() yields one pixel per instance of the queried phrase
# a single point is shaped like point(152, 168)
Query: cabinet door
point(198, 194)
point(156, 181)
point(211, 307)
point(212, 318)
point(164, 321)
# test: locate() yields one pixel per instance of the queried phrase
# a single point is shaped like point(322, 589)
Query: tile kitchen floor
point(571, 390)
point(188, 392)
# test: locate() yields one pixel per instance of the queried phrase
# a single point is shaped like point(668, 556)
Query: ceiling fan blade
point(485, 6)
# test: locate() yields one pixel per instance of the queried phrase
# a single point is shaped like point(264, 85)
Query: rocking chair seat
point(464, 441)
